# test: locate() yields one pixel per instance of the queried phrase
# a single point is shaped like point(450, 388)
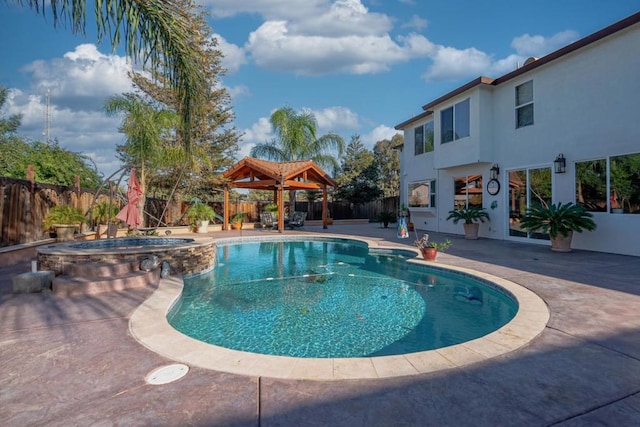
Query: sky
point(360, 66)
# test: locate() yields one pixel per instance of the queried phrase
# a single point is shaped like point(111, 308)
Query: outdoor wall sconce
point(494, 171)
point(560, 164)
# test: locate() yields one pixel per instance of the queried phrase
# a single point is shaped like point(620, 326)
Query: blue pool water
point(322, 298)
point(131, 241)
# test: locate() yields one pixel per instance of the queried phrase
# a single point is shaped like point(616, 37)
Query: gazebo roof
point(261, 174)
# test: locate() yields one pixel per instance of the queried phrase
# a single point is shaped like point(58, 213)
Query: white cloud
point(274, 48)
point(82, 78)
point(332, 119)
point(451, 64)
point(79, 82)
point(234, 56)
point(416, 23)
point(527, 45)
point(378, 134)
point(259, 133)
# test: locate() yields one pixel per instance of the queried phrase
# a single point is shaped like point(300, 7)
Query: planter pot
point(112, 230)
point(429, 254)
point(203, 227)
point(561, 243)
point(101, 231)
point(236, 225)
point(410, 226)
point(617, 210)
point(64, 232)
point(471, 231)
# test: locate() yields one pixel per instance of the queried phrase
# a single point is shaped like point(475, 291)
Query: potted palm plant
point(236, 221)
point(559, 221)
point(65, 220)
point(104, 214)
point(472, 217)
point(386, 217)
point(429, 249)
point(199, 216)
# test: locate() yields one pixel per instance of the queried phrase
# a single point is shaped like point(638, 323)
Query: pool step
point(98, 277)
point(101, 269)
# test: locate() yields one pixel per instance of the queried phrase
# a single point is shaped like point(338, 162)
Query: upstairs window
point(524, 104)
point(418, 137)
point(423, 137)
point(454, 122)
point(428, 137)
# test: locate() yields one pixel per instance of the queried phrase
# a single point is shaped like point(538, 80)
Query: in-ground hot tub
point(184, 255)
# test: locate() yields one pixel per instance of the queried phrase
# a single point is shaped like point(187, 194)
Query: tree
point(358, 179)
point(212, 135)
point(388, 161)
point(53, 165)
point(296, 140)
point(157, 32)
point(148, 132)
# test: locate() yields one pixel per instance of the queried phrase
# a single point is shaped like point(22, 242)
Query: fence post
point(31, 219)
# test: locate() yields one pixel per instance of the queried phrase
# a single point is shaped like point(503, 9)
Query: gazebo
point(258, 174)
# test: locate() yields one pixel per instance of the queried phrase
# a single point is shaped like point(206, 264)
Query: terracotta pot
point(561, 243)
point(471, 231)
point(64, 232)
point(236, 225)
point(429, 254)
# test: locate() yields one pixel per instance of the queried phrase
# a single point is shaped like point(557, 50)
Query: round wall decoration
point(493, 187)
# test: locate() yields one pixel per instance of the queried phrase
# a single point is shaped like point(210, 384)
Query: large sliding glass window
point(468, 191)
point(455, 122)
point(623, 175)
point(591, 185)
point(527, 187)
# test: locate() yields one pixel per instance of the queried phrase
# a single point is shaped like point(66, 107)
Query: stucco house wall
point(585, 107)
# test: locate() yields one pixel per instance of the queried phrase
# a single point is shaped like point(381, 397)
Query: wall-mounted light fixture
point(494, 171)
point(560, 164)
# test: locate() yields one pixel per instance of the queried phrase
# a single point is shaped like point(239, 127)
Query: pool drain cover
point(167, 374)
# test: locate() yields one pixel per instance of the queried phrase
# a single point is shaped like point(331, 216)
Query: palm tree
point(148, 134)
point(157, 32)
point(296, 140)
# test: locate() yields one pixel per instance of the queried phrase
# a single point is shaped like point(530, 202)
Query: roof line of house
point(592, 38)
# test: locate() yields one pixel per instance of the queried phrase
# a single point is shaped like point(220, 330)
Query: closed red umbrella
point(129, 213)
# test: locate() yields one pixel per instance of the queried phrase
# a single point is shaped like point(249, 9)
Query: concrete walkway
point(71, 361)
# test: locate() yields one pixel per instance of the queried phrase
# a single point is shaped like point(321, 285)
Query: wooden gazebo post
point(324, 207)
point(225, 209)
point(280, 189)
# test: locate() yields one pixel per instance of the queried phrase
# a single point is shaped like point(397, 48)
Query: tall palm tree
point(157, 32)
point(148, 133)
point(296, 140)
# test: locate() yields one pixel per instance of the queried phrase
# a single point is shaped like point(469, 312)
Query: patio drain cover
point(167, 374)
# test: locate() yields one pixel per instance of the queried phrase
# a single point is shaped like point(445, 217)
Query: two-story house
point(561, 128)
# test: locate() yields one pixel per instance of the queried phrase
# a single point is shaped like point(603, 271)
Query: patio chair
point(297, 220)
point(267, 220)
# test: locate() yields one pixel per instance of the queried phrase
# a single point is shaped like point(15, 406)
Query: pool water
point(321, 299)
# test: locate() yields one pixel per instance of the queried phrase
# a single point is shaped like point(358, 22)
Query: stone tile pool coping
point(150, 327)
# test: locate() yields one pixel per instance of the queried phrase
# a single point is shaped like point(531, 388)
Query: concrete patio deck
point(71, 360)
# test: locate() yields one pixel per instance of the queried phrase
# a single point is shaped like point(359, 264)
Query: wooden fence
point(24, 204)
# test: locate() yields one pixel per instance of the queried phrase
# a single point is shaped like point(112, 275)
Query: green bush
point(557, 219)
point(64, 215)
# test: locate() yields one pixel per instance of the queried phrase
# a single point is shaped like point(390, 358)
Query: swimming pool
point(335, 298)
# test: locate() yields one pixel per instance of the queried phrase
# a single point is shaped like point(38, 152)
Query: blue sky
point(360, 66)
